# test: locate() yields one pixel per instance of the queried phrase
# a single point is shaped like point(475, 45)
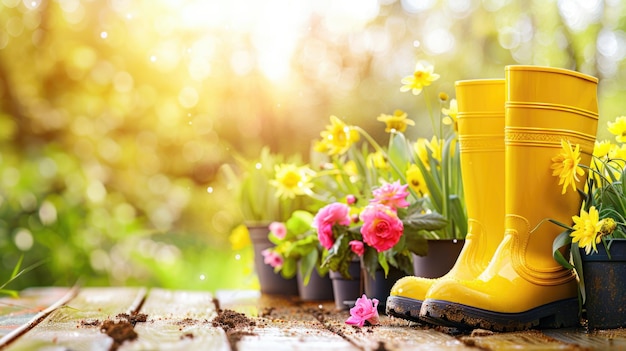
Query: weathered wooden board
point(178, 320)
point(75, 325)
point(19, 314)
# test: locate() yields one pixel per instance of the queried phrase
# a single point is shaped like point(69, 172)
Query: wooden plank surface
point(178, 320)
point(246, 321)
point(19, 314)
point(75, 325)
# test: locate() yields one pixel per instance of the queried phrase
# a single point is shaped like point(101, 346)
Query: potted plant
point(368, 175)
point(598, 236)
point(297, 252)
point(263, 201)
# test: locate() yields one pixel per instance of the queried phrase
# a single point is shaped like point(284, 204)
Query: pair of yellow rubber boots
point(505, 277)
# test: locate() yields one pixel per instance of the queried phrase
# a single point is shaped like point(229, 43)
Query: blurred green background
point(116, 116)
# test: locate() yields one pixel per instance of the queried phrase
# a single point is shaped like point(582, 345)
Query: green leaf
point(382, 260)
point(370, 261)
point(417, 244)
point(289, 268)
point(562, 240)
point(307, 264)
point(578, 264)
point(424, 221)
point(399, 156)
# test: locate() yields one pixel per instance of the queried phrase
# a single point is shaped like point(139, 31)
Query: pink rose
point(391, 194)
point(279, 229)
point(381, 228)
point(357, 247)
point(326, 217)
point(364, 310)
point(272, 258)
point(350, 199)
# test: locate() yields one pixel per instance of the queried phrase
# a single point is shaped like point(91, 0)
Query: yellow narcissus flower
point(586, 228)
point(618, 128)
point(435, 145)
point(601, 148)
point(337, 138)
point(421, 77)
point(398, 121)
point(377, 160)
point(415, 179)
point(451, 114)
point(566, 165)
point(291, 180)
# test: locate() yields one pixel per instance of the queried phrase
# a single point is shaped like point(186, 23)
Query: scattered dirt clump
point(133, 317)
point(120, 332)
point(234, 325)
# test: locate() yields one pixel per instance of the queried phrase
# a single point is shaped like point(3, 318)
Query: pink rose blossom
point(392, 194)
point(350, 199)
point(364, 310)
point(326, 217)
point(272, 258)
point(279, 229)
point(381, 228)
point(357, 247)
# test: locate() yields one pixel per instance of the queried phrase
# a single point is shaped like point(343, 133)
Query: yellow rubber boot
point(523, 286)
point(481, 144)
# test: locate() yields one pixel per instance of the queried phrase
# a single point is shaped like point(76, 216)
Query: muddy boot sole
point(558, 314)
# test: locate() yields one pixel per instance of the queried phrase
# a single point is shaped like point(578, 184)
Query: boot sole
point(404, 307)
point(558, 314)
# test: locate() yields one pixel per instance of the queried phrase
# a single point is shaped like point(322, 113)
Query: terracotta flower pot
point(346, 291)
point(605, 286)
point(442, 255)
point(271, 283)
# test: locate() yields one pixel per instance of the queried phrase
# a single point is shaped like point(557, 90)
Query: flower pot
point(319, 288)
point(378, 286)
point(605, 286)
point(271, 283)
point(442, 255)
point(346, 291)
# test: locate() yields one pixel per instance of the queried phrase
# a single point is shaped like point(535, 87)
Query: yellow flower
point(566, 165)
point(421, 77)
point(435, 145)
point(239, 237)
point(377, 160)
point(451, 113)
point(618, 128)
point(601, 148)
point(415, 179)
point(586, 228)
point(337, 138)
point(291, 180)
point(617, 152)
point(398, 121)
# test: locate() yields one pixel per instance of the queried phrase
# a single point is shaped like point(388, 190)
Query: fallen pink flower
point(365, 310)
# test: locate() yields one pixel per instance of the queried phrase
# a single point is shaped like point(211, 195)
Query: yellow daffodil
point(337, 138)
point(398, 121)
point(291, 180)
point(422, 77)
point(415, 179)
point(586, 228)
point(601, 148)
point(618, 128)
point(566, 165)
point(377, 160)
point(435, 145)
